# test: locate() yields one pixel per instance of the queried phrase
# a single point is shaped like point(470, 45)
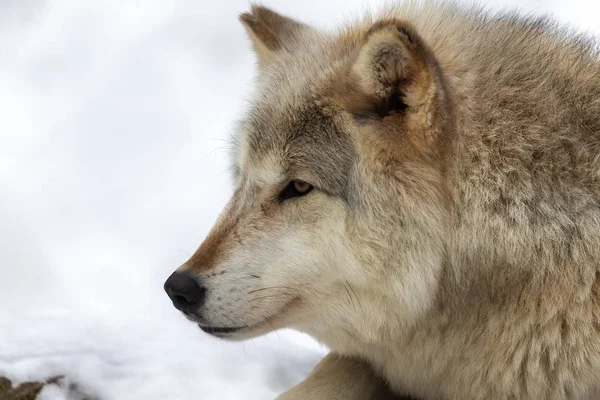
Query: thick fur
point(451, 246)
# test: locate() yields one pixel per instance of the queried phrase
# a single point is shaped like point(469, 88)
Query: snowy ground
point(112, 170)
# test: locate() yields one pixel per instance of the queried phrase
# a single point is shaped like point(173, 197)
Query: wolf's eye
point(295, 188)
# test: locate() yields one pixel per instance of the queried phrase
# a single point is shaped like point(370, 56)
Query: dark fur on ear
point(394, 72)
point(269, 31)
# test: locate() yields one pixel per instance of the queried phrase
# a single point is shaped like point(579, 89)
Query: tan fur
point(269, 32)
point(451, 246)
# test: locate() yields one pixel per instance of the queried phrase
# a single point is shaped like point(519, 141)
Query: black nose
point(186, 292)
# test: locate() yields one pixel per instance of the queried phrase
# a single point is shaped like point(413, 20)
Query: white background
point(113, 166)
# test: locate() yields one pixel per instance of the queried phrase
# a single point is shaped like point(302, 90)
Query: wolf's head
point(339, 209)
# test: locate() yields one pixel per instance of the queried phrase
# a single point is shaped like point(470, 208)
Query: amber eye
point(295, 188)
point(301, 186)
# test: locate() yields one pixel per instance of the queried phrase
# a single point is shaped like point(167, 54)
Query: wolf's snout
point(186, 292)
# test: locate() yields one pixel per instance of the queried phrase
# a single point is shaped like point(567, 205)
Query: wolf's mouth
point(216, 330)
point(268, 324)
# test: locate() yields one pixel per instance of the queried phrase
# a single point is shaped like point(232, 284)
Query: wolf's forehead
point(288, 132)
point(296, 140)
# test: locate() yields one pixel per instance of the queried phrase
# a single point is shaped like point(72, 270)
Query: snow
point(113, 167)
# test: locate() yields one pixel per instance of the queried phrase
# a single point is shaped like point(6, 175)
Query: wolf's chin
point(236, 333)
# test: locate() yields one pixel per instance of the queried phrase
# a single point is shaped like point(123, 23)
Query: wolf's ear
point(269, 31)
point(394, 73)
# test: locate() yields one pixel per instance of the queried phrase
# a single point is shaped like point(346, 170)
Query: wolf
point(420, 192)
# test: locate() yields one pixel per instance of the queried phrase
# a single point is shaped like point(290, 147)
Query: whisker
point(233, 324)
point(184, 252)
point(229, 140)
point(266, 297)
point(217, 150)
point(271, 287)
point(233, 139)
point(274, 330)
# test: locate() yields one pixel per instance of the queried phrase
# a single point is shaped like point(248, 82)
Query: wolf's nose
point(186, 292)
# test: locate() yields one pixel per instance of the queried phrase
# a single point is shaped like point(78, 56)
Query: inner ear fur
point(394, 74)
